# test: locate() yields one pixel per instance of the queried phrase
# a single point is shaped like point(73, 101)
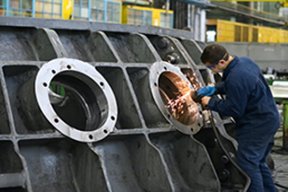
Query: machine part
point(56, 99)
point(172, 58)
point(86, 111)
point(224, 175)
point(168, 83)
point(225, 159)
point(166, 169)
point(145, 151)
point(236, 175)
point(197, 98)
point(167, 49)
point(196, 174)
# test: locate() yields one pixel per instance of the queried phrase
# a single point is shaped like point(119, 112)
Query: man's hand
point(206, 91)
point(205, 100)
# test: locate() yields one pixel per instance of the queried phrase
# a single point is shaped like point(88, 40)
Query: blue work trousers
point(252, 152)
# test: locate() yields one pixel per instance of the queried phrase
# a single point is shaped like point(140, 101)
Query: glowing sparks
point(193, 80)
point(176, 93)
point(178, 105)
point(175, 106)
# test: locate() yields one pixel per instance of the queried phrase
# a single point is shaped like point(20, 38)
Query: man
point(249, 101)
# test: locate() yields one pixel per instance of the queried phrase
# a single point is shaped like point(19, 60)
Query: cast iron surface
point(144, 152)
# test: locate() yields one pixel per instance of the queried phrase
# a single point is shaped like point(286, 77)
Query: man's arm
point(234, 103)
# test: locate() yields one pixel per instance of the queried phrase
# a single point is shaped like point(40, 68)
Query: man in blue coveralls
point(250, 102)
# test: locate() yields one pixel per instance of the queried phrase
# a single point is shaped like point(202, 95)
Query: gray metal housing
point(144, 152)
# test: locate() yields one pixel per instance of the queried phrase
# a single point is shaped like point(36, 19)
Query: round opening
point(78, 101)
point(175, 93)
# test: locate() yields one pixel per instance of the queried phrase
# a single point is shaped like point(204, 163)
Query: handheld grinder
point(196, 97)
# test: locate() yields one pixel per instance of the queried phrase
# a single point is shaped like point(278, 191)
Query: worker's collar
point(230, 66)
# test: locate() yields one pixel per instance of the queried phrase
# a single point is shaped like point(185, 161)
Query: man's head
point(215, 57)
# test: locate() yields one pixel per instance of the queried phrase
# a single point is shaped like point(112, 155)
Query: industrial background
point(86, 89)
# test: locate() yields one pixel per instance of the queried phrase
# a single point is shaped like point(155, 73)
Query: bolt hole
point(53, 71)
point(45, 84)
point(199, 124)
point(165, 68)
point(113, 118)
point(56, 120)
point(155, 84)
point(102, 84)
point(68, 66)
point(105, 131)
point(90, 136)
point(169, 116)
point(192, 130)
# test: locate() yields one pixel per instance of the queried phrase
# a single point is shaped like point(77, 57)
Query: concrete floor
point(280, 158)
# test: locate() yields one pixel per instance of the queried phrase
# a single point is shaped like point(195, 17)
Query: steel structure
point(117, 132)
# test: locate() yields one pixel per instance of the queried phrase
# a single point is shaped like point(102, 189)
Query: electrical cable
point(281, 186)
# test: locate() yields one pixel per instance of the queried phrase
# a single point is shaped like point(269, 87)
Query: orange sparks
point(176, 106)
point(193, 80)
point(179, 101)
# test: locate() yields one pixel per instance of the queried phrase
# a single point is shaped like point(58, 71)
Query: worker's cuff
point(213, 102)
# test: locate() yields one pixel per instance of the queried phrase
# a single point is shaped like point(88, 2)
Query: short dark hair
point(213, 53)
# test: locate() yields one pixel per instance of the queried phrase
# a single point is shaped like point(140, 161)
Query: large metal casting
point(86, 111)
point(168, 83)
point(87, 107)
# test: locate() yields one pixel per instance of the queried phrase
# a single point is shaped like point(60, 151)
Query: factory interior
point(94, 94)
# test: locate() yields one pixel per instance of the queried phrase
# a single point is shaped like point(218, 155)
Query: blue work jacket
point(248, 99)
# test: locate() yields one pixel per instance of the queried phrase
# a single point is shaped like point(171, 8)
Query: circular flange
point(167, 83)
point(92, 79)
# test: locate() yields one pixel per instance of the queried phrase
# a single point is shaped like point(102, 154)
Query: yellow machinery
point(67, 9)
point(137, 15)
point(228, 31)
